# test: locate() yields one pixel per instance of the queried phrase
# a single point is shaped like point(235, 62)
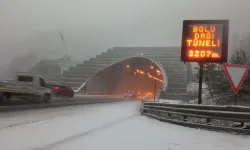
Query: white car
point(25, 86)
point(130, 94)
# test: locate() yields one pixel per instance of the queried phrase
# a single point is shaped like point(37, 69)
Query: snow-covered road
point(108, 126)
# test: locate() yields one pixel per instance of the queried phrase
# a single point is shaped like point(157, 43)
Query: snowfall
point(110, 126)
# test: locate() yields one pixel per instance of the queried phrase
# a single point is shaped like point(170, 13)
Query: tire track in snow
point(86, 133)
point(34, 121)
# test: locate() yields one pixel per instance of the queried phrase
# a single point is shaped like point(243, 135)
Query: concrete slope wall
point(105, 80)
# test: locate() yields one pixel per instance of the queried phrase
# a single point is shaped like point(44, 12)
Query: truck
point(27, 86)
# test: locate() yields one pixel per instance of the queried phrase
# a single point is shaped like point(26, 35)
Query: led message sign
point(205, 41)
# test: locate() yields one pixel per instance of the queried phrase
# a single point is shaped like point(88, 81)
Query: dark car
point(61, 90)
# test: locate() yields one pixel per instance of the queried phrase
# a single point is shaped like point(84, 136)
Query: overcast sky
point(93, 26)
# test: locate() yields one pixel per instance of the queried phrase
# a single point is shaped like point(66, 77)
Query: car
point(130, 94)
point(26, 86)
point(62, 90)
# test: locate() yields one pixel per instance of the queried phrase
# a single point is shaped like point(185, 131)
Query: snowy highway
point(105, 126)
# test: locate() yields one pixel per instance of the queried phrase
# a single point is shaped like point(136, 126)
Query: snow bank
point(206, 100)
point(192, 88)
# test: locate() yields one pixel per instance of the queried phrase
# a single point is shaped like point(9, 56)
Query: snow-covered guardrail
point(223, 118)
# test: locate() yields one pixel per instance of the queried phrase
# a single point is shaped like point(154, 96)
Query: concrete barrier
point(52, 105)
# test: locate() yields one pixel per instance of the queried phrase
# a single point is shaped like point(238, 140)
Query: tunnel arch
point(96, 84)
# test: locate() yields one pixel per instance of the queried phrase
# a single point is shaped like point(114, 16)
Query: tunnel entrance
point(138, 74)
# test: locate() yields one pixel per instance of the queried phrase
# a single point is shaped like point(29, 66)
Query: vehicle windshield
point(25, 78)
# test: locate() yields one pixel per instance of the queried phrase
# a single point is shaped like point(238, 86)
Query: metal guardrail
point(223, 118)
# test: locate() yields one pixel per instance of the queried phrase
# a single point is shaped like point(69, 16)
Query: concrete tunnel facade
point(124, 75)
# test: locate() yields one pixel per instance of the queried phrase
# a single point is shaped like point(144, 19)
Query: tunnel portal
point(138, 74)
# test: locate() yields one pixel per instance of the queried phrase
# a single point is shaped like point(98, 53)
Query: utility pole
point(57, 53)
point(64, 42)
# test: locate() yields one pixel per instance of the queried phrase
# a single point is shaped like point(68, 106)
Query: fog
point(92, 26)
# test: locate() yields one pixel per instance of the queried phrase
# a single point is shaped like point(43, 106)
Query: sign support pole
point(200, 82)
point(235, 99)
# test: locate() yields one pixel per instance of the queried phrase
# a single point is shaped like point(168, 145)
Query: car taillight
point(55, 87)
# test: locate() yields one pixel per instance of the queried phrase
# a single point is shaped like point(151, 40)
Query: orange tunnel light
point(150, 76)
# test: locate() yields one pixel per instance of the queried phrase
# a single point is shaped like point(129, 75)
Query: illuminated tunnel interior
point(137, 74)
